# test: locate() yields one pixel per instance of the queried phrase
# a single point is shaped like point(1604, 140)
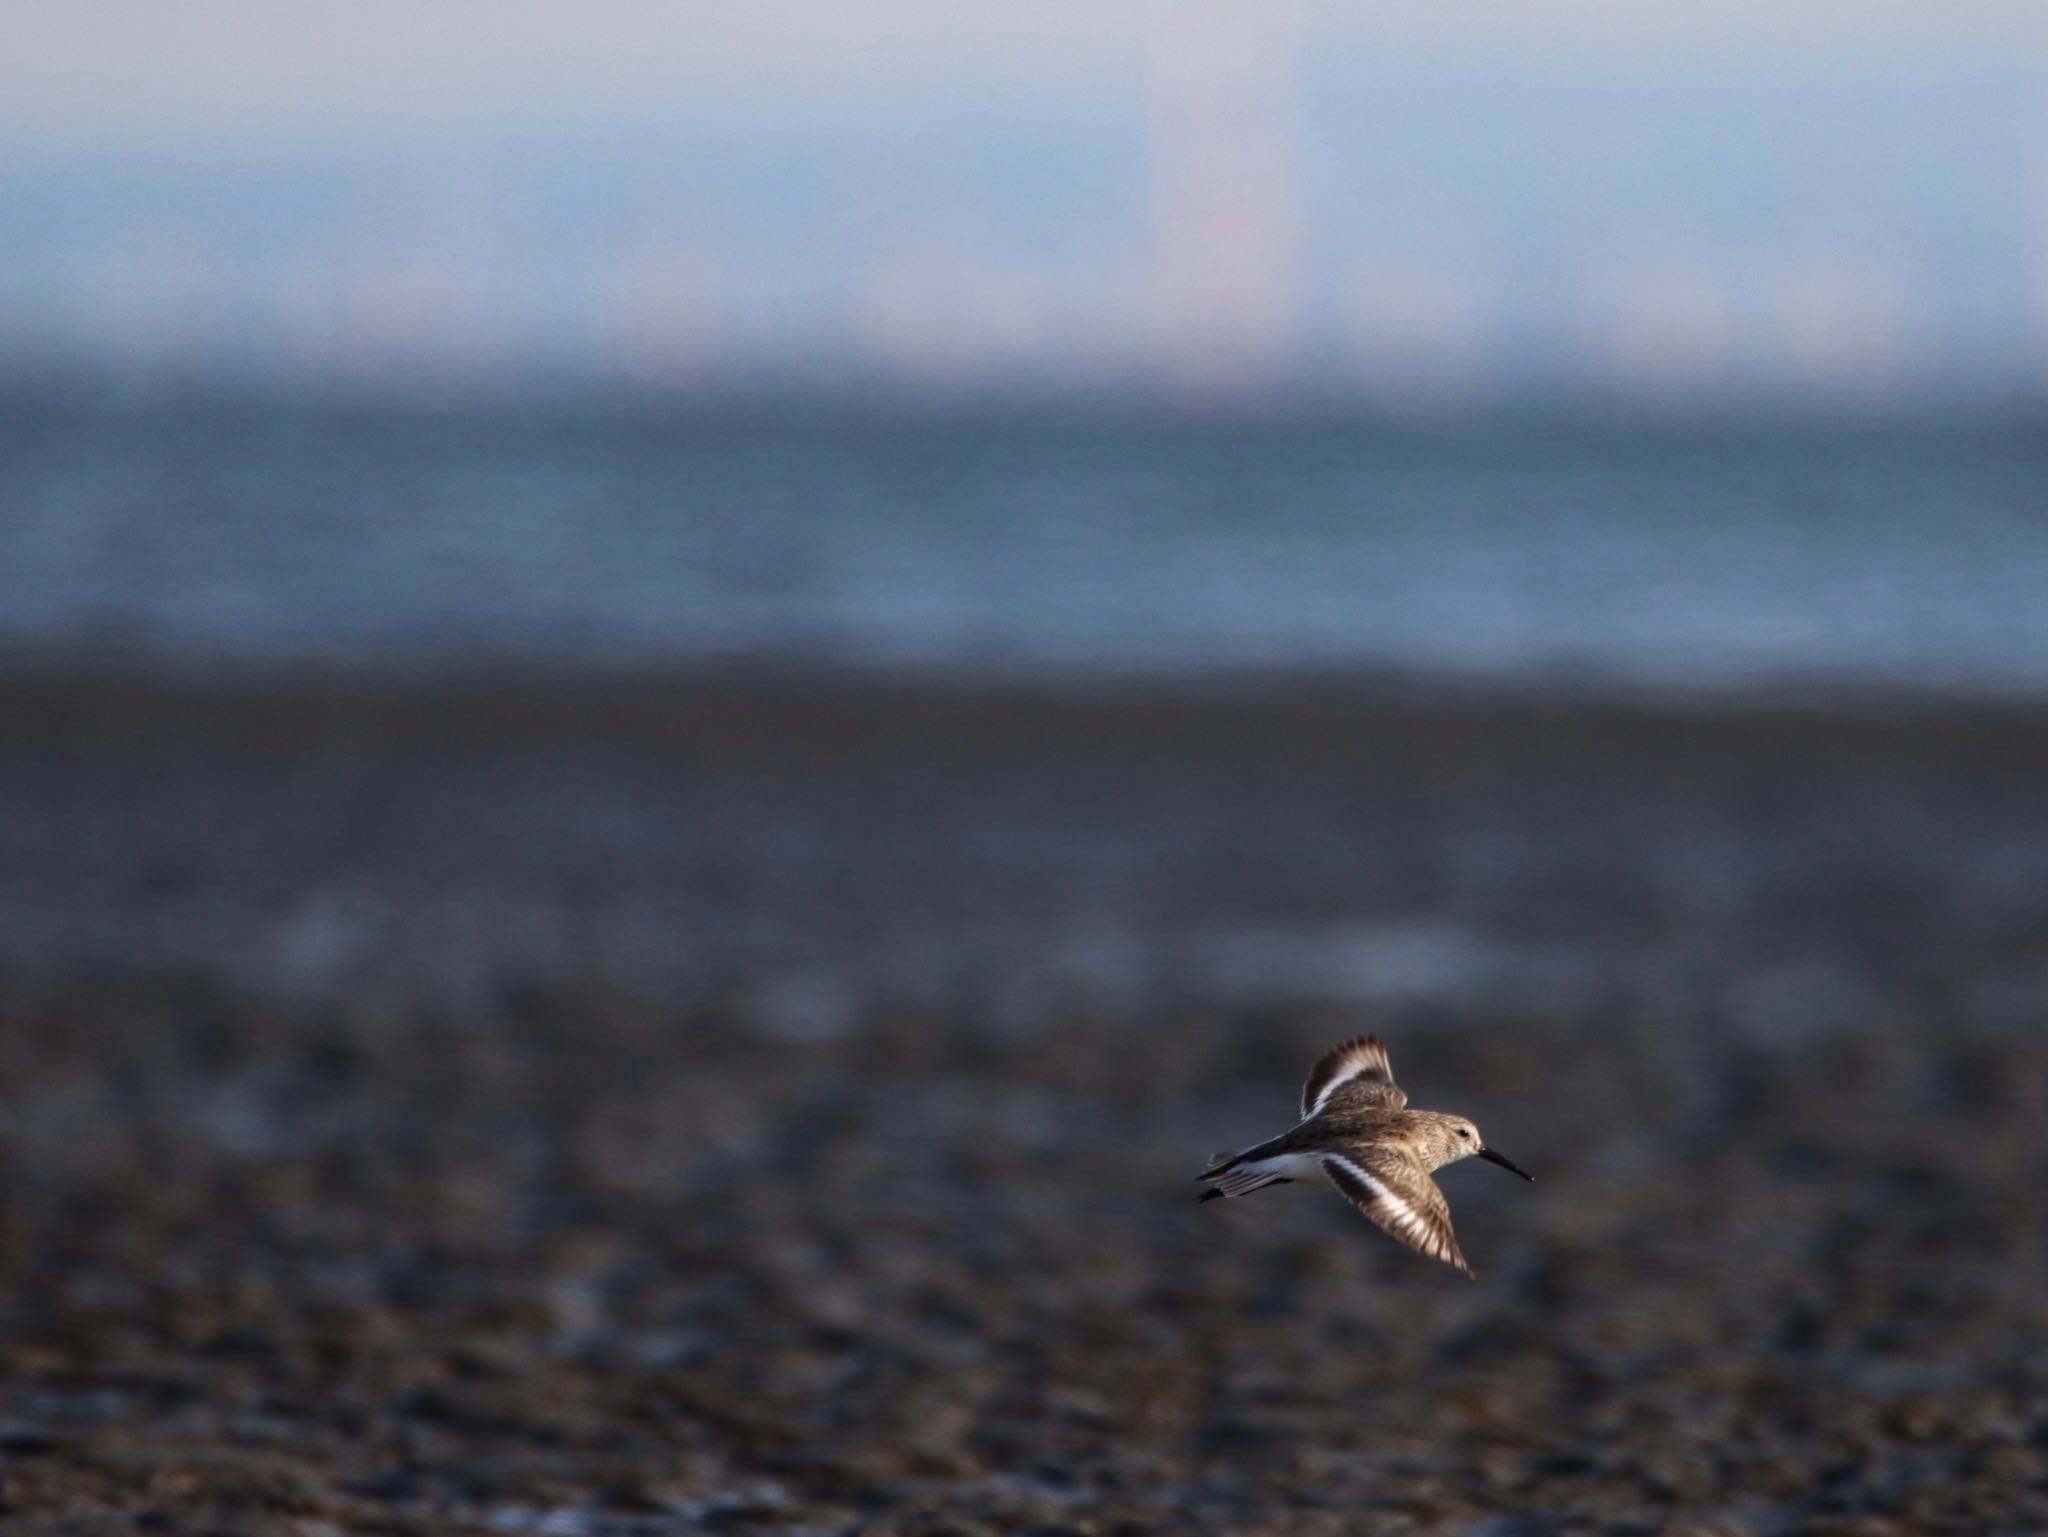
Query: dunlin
point(1357, 1134)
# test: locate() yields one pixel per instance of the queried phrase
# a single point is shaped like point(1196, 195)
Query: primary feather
point(1360, 1069)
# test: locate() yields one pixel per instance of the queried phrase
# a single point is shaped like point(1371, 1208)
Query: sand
point(772, 1104)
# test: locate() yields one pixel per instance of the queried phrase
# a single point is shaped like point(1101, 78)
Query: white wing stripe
point(1333, 1086)
point(1409, 1219)
point(1398, 1210)
point(1364, 1056)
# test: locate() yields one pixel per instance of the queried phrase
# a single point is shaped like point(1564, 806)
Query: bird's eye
point(1464, 1133)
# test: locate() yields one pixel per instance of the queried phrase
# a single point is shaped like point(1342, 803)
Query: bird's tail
point(1235, 1174)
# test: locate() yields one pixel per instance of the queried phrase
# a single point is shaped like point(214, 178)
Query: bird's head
point(1459, 1138)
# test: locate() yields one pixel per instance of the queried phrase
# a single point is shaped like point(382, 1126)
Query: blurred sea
point(620, 531)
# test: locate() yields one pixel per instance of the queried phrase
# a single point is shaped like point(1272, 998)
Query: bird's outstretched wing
point(1359, 1067)
point(1395, 1191)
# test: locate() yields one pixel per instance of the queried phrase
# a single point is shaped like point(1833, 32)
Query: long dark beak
point(1492, 1157)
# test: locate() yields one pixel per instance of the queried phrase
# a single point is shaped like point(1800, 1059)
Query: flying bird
point(1357, 1134)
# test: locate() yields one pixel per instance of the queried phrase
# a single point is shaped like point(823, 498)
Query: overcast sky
point(118, 67)
point(1431, 186)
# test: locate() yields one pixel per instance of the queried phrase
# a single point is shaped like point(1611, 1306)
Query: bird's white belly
point(1304, 1167)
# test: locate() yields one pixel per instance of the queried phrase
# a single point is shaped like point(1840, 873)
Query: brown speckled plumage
point(1358, 1135)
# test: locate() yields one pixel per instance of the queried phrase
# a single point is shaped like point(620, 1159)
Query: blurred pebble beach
point(769, 1102)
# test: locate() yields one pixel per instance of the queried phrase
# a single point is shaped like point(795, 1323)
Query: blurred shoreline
point(852, 840)
point(83, 694)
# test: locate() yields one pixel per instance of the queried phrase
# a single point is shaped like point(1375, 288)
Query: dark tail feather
point(1217, 1195)
point(1218, 1162)
point(1243, 1182)
point(1223, 1163)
